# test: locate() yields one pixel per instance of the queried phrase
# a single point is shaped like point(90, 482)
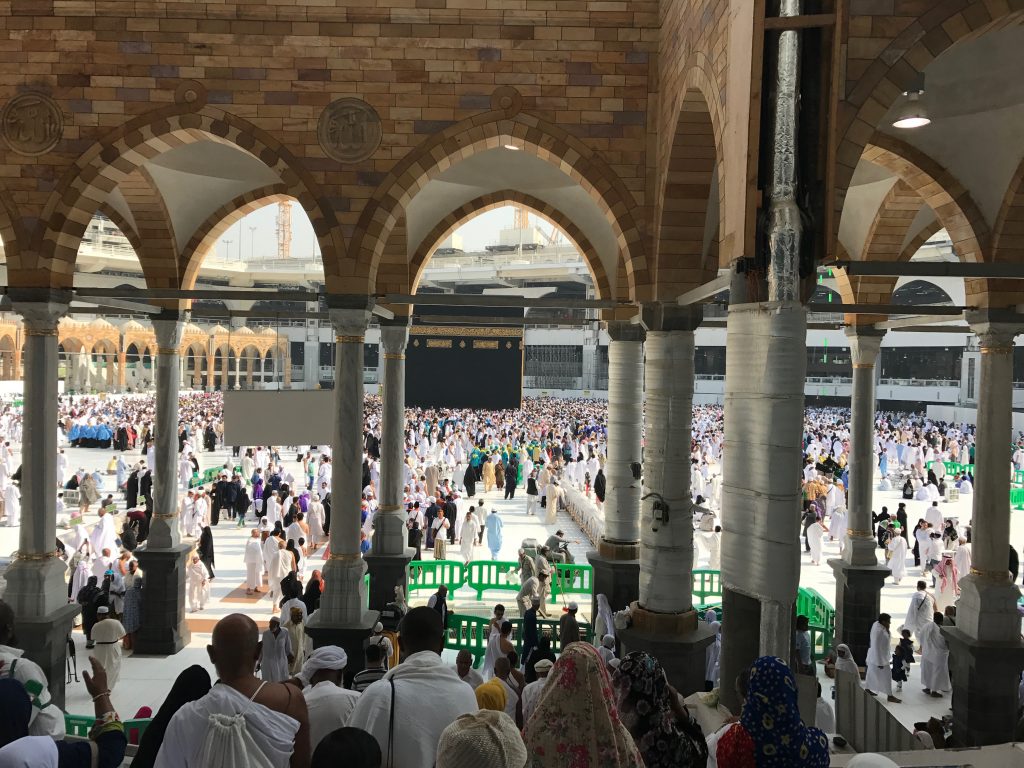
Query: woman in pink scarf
point(947, 582)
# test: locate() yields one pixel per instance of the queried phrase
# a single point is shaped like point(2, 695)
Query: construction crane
point(284, 230)
point(521, 221)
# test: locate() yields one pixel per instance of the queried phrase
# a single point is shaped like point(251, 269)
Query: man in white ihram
point(241, 721)
point(427, 694)
point(329, 704)
point(878, 678)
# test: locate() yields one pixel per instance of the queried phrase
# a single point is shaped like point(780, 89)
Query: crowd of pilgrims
point(449, 455)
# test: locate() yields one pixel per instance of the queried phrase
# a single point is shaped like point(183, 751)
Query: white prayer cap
point(573, 607)
point(103, 609)
point(326, 657)
point(543, 666)
point(486, 738)
point(378, 628)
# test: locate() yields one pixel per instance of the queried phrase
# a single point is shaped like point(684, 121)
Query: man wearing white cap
point(379, 638)
point(532, 691)
point(107, 633)
point(568, 627)
point(328, 703)
point(486, 738)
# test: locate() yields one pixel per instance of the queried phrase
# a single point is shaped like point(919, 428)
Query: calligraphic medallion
point(349, 130)
point(31, 124)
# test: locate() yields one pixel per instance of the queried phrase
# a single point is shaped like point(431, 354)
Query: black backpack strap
point(391, 727)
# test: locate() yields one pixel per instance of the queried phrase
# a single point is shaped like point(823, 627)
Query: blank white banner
point(279, 417)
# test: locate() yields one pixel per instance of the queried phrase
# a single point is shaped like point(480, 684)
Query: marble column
point(616, 562)
point(986, 653)
point(36, 588)
point(390, 554)
point(163, 557)
point(664, 621)
point(343, 618)
point(859, 577)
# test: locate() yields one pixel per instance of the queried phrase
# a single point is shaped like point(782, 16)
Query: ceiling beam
point(908, 322)
point(481, 300)
point(930, 269)
point(706, 291)
point(886, 309)
point(199, 294)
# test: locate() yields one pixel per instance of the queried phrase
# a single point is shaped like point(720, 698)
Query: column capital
point(995, 329)
point(865, 344)
point(40, 310)
point(168, 327)
point(350, 314)
point(624, 330)
point(394, 336)
point(669, 316)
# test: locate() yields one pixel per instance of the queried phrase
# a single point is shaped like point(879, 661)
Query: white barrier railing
point(865, 722)
point(585, 513)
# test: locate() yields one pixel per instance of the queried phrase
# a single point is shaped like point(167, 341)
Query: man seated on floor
point(209, 731)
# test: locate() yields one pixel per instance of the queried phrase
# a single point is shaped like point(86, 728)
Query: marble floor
point(145, 681)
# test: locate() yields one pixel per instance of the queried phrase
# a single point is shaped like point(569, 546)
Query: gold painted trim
point(992, 575)
point(860, 534)
point(863, 365)
point(390, 356)
point(30, 557)
point(389, 507)
point(345, 558)
point(455, 330)
point(998, 350)
point(165, 515)
point(349, 339)
point(167, 351)
point(34, 332)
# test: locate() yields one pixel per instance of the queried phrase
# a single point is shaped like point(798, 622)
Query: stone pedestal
point(741, 642)
point(618, 579)
point(858, 600)
point(163, 630)
point(985, 680)
point(347, 636)
point(386, 571)
point(678, 641)
point(45, 641)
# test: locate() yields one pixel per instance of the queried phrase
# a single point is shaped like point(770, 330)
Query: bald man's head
point(235, 647)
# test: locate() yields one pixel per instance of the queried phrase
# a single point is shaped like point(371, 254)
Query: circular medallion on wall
point(349, 130)
point(31, 124)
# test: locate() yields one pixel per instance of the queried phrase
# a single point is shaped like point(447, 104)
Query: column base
point(681, 653)
point(163, 630)
point(858, 601)
point(987, 608)
point(387, 572)
point(45, 641)
point(985, 677)
point(618, 579)
point(347, 636)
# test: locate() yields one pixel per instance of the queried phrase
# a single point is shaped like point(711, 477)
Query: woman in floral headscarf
point(661, 727)
point(770, 733)
point(575, 723)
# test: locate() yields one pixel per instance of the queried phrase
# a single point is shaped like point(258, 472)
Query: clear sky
point(262, 242)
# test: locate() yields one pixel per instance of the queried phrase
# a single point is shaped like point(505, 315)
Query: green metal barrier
point(1018, 477)
point(1017, 498)
point(707, 583)
point(469, 633)
point(430, 574)
point(80, 725)
point(816, 608)
point(484, 575)
point(821, 641)
point(572, 579)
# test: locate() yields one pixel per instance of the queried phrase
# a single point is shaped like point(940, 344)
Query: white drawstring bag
point(229, 745)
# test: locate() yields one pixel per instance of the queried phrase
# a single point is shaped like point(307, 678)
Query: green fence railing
point(1017, 498)
point(80, 725)
point(572, 579)
point(484, 575)
point(469, 633)
point(430, 574)
point(707, 583)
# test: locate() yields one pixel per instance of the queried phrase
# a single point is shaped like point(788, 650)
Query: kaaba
point(463, 366)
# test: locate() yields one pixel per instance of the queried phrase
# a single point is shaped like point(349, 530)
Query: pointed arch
point(89, 181)
point(492, 130)
point(489, 202)
point(220, 221)
point(683, 253)
point(898, 68)
point(892, 223)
